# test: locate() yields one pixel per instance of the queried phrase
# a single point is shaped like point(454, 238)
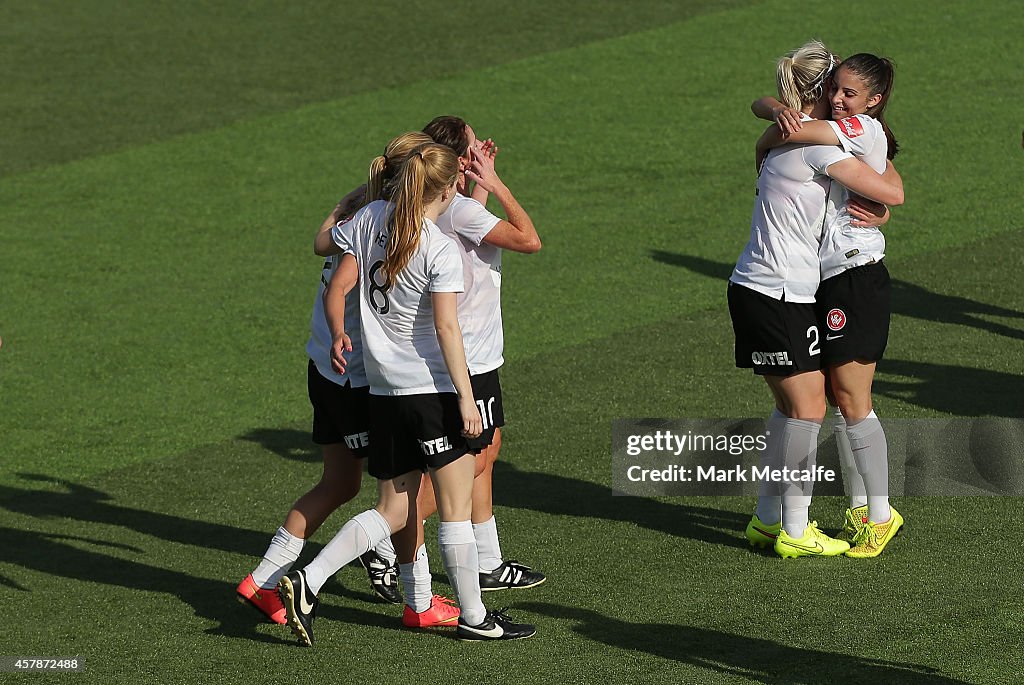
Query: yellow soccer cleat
point(855, 520)
point(814, 543)
point(873, 537)
point(760, 534)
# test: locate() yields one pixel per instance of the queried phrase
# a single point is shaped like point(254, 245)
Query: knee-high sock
point(853, 483)
point(416, 581)
point(284, 549)
point(799, 452)
point(386, 549)
point(769, 498)
point(487, 545)
point(458, 550)
point(362, 532)
point(871, 452)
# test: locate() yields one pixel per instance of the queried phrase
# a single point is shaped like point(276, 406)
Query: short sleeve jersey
point(400, 349)
point(319, 346)
point(468, 222)
point(844, 246)
point(781, 258)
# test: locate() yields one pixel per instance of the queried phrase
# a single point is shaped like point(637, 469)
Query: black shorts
point(773, 337)
point(853, 312)
point(487, 392)
point(340, 413)
point(414, 432)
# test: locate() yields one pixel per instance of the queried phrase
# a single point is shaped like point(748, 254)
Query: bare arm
point(349, 205)
point(859, 178)
point(341, 284)
point(489, 149)
point(813, 133)
point(518, 232)
point(449, 337)
point(770, 109)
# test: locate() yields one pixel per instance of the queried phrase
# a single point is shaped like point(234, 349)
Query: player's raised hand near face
point(488, 148)
point(481, 170)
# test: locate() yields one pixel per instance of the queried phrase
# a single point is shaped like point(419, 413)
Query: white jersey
point(319, 346)
point(400, 348)
point(781, 257)
point(844, 246)
point(468, 222)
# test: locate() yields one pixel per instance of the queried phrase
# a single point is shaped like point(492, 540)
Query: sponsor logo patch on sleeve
point(851, 127)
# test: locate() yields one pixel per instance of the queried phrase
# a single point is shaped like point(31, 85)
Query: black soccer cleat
point(383, 577)
point(511, 575)
point(495, 626)
point(299, 604)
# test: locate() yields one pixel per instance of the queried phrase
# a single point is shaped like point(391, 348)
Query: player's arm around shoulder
point(324, 244)
point(517, 233)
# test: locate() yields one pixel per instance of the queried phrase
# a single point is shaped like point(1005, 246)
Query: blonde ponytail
point(803, 75)
point(424, 175)
point(384, 168)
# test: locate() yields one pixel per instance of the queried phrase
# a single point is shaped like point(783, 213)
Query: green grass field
point(162, 172)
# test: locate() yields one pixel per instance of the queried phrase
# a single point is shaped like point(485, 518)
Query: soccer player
point(339, 422)
point(481, 236)
point(422, 407)
point(771, 299)
point(853, 300)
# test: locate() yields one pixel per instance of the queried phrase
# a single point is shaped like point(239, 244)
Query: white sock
point(852, 481)
point(458, 550)
point(871, 451)
point(799, 451)
point(283, 551)
point(358, 536)
point(487, 546)
point(386, 549)
point(416, 581)
point(769, 498)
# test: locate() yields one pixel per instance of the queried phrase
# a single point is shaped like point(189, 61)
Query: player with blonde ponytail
point(422, 408)
point(339, 422)
point(853, 300)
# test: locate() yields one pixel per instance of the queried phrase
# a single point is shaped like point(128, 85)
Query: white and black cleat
point(495, 626)
point(383, 577)
point(511, 575)
point(299, 604)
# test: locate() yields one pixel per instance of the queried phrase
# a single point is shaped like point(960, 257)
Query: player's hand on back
point(866, 213)
point(788, 119)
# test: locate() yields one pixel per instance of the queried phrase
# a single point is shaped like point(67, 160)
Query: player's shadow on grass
point(86, 559)
point(561, 496)
point(727, 654)
point(951, 389)
point(908, 299)
point(912, 300)
point(84, 503)
point(287, 443)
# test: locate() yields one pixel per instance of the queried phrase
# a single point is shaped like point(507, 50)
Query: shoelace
point(441, 599)
point(501, 613)
point(865, 534)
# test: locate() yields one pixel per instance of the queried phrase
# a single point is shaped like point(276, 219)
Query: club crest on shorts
point(836, 319)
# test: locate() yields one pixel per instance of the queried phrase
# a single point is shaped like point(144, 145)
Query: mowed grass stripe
point(97, 76)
